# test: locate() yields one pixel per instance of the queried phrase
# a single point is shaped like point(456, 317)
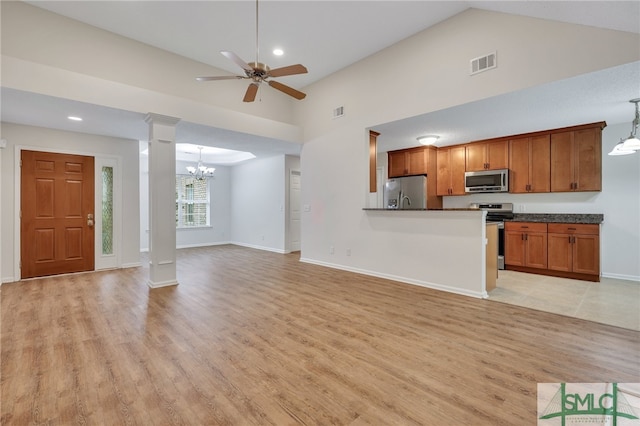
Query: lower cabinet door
point(536, 250)
point(586, 254)
point(560, 252)
point(513, 248)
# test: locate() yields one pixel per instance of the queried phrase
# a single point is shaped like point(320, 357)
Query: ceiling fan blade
point(290, 70)
point(288, 90)
point(223, 77)
point(250, 95)
point(235, 58)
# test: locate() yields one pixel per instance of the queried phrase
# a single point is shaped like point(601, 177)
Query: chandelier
point(201, 171)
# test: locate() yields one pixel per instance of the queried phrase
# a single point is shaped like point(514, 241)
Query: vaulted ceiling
point(325, 36)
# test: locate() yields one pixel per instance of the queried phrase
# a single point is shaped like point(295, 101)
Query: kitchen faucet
point(402, 198)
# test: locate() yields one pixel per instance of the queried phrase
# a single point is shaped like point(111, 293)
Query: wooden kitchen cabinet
point(525, 244)
point(530, 164)
point(408, 162)
point(451, 168)
point(487, 155)
point(576, 159)
point(574, 248)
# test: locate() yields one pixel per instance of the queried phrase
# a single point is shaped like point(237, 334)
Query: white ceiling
point(327, 36)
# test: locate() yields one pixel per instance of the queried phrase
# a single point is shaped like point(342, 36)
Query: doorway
point(294, 210)
point(57, 214)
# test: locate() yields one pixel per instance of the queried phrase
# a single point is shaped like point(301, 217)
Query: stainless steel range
point(497, 212)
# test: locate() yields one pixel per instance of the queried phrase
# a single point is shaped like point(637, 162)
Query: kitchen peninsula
point(443, 249)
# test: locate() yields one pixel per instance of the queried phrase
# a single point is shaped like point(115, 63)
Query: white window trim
point(180, 225)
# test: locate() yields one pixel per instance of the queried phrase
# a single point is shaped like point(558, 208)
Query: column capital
point(166, 120)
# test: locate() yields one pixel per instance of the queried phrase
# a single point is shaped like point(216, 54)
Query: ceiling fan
point(258, 73)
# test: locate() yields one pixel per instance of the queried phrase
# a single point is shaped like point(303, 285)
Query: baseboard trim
point(220, 243)
point(253, 246)
point(405, 280)
point(621, 276)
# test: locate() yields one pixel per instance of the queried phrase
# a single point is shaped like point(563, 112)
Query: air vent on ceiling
point(483, 63)
point(338, 112)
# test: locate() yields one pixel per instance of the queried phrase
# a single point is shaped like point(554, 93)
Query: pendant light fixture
point(200, 172)
point(632, 141)
point(631, 144)
point(620, 150)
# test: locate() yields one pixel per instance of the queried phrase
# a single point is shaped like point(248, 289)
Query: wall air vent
point(483, 63)
point(338, 112)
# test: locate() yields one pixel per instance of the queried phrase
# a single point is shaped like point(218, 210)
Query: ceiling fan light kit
point(258, 73)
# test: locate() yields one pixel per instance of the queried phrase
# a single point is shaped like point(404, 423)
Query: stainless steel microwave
point(486, 181)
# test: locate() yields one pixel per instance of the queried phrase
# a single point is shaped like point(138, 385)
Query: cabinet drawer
point(525, 226)
point(574, 228)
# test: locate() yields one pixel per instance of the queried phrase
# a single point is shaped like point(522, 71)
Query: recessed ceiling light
point(73, 118)
point(278, 52)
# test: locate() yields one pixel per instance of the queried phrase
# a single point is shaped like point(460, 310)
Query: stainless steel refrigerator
point(408, 192)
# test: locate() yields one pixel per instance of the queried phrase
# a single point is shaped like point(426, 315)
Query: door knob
point(90, 220)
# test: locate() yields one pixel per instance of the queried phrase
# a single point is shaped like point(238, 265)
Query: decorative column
point(3, 145)
point(162, 200)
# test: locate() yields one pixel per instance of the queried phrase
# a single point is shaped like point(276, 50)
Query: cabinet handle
point(526, 237)
point(571, 229)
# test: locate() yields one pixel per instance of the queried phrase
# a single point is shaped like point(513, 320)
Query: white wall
point(425, 73)
point(258, 204)
point(220, 230)
point(29, 137)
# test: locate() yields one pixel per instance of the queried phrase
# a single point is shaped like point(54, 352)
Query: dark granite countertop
point(557, 218)
point(417, 210)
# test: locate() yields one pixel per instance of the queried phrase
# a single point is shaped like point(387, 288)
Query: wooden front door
point(57, 208)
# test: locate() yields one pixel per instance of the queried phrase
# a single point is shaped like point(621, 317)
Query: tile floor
point(611, 301)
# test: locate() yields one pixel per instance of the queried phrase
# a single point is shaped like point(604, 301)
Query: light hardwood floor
point(253, 337)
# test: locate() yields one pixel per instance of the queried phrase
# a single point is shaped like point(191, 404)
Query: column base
point(159, 284)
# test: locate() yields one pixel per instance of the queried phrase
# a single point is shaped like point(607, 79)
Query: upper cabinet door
point(397, 164)
point(519, 158)
point(576, 160)
point(529, 164)
point(562, 160)
point(497, 155)
point(417, 161)
point(457, 170)
point(588, 162)
point(540, 163)
point(475, 157)
point(492, 155)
